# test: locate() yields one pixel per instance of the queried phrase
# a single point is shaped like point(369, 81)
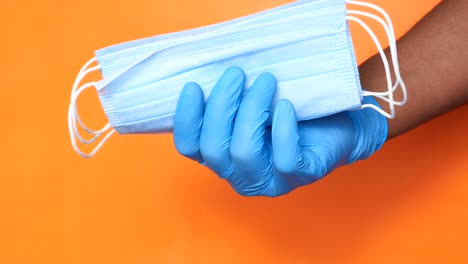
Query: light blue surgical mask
point(307, 45)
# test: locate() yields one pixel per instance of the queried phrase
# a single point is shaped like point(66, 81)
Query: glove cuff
point(371, 131)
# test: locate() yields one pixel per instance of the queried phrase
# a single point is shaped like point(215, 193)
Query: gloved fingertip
point(267, 79)
point(229, 87)
point(188, 120)
point(284, 111)
point(265, 86)
point(192, 89)
point(190, 101)
point(234, 73)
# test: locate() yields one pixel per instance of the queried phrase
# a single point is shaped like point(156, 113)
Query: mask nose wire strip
point(394, 53)
point(390, 115)
point(73, 116)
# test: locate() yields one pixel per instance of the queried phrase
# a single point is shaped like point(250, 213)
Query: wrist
point(371, 131)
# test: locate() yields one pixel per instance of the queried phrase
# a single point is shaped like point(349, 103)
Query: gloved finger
point(188, 121)
point(285, 138)
point(248, 151)
point(295, 164)
point(218, 121)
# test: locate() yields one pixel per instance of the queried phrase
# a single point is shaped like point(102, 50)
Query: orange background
point(138, 201)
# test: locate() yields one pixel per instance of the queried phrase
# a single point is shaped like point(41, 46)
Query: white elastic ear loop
point(392, 43)
point(72, 123)
point(76, 116)
point(83, 73)
point(393, 49)
point(390, 115)
point(73, 116)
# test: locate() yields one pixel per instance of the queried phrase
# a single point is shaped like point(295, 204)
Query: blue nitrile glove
point(229, 135)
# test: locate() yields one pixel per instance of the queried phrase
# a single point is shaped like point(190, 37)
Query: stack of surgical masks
point(306, 45)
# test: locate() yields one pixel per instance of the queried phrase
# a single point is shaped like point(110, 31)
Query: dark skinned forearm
point(434, 64)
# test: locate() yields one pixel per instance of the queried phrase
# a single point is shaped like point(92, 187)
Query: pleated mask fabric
point(306, 45)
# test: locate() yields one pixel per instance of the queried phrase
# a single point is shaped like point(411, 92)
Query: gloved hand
point(229, 135)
